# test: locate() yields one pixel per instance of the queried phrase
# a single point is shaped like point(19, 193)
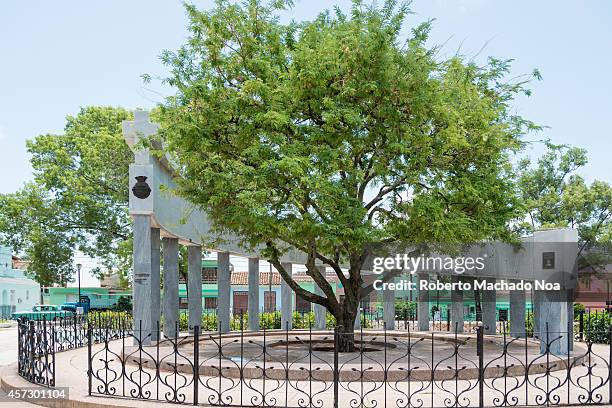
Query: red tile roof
point(242, 278)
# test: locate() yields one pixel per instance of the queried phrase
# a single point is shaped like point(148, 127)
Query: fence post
point(89, 369)
point(581, 328)
point(337, 332)
point(32, 355)
point(196, 363)
point(480, 353)
point(610, 364)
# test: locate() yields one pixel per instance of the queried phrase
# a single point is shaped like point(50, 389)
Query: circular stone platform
point(404, 356)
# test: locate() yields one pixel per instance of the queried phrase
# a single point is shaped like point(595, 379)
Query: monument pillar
point(456, 309)
point(423, 304)
point(155, 298)
point(489, 315)
point(223, 287)
point(194, 281)
point(389, 308)
point(171, 287)
point(517, 312)
point(253, 305)
point(142, 279)
point(320, 312)
point(554, 322)
point(286, 300)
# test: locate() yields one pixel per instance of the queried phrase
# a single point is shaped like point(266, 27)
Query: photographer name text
point(476, 284)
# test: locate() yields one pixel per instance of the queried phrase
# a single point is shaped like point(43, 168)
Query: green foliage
point(578, 308)
point(124, 304)
point(331, 135)
point(77, 201)
point(597, 326)
point(303, 320)
point(404, 309)
point(556, 196)
point(110, 319)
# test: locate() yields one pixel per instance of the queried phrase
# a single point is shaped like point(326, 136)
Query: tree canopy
point(334, 134)
point(77, 201)
point(555, 195)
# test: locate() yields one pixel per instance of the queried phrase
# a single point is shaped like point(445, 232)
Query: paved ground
point(8, 355)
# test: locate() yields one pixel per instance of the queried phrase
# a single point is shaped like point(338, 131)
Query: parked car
point(39, 312)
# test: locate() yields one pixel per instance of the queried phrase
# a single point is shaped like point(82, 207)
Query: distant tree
point(77, 201)
point(555, 195)
point(331, 135)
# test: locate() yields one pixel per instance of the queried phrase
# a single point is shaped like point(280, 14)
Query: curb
point(9, 380)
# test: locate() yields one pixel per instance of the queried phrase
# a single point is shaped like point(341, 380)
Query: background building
point(17, 292)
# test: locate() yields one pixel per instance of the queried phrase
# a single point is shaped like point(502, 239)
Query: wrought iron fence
point(368, 368)
point(39, 340)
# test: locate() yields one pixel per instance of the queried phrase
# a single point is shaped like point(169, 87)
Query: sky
point(56, 56)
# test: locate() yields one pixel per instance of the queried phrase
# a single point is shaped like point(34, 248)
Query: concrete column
point(456, 309)
point(489, 315)
point(570, 317)
point(389, 308)
point(286, 300)
point(537, 311)
point(142, 279)
point(194, 280)
point(423, 304)
point(320, 312)
point(171, 287)
point(155, 284)
point(223, 285)
point(554, 322)
point(358, 317)
point(517, 312)
point(253, 306)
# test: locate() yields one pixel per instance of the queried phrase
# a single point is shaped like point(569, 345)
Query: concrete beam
point(194, 281)
point(171, 287)
point(517, 313)
point(155, 298)
point(142, 279)
point(456, 309)
point(253, 306)
point(389, 308)
point(320, 312)
point(423, 304)
point(489, 315)
point(286, 300)
point(223, 285)
point(554, 323)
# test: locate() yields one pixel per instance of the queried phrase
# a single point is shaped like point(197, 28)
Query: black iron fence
point(307, 368)
point(368, 368)
point(39, 340)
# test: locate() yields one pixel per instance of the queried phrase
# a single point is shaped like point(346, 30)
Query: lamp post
point(79, 266)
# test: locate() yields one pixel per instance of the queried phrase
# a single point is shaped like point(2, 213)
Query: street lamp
point(79, 266)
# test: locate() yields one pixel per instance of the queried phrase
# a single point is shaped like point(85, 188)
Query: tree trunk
point(346, 325)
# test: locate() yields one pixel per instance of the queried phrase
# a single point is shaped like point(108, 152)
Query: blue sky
point(60, 55)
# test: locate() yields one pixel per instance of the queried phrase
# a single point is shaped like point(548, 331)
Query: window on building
point(269, 301)
point(240, 302)
point(301, 305)
point(209, 275)
point(210, 303)
point(27, 295)
point(183, 304)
